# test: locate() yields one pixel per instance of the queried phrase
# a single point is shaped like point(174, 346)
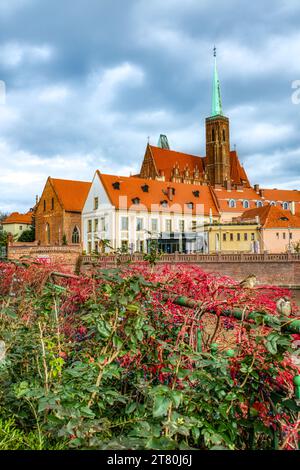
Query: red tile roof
point(17, 218)
point(132, 188)
point(273, 217)
point(165, 160)
point(224, 196)
point(72, 194)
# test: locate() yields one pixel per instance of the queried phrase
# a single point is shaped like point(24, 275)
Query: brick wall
point(280, 270)
point(66, 256)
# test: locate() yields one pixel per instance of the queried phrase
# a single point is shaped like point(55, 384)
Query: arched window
point(259, 204)
point(246, 204)
point(75, 236)
point(285, 206)
point(213, 135)
point(273, 203)
point(48, 234)
point(224, 135)
point(232, 203)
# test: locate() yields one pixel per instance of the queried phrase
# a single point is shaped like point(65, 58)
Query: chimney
point(257, 219)
point(293, 207)
point(36, 199)
point(256, 188)
point(261, 193)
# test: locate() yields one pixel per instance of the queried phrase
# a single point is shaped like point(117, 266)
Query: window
point(245, 236)
point(231, 237)
point(116, 185)
point(232, 203)
point(21, 227)
point(48, 234)
point(168, 225)
point(277, 236)
point(75, 236)
point(164, 203)
point(273, 203)
point(285, 205)
point(259, 204)
point(224, 237)
point(213, 135)
point(291, 235)
point(96, 224)
point(139, 224)
point(89, 226)
point(44, 205)
point(246, 204)
point(181, 225)
point(154, 225)
point(190, 205)
point(194, 225)
point(96, 247)
point(89, 247)
point(196, 193)
point(136, 200)
point(238, 237)
point(102, 224)
point(140, 245)
point(284, 235)
point(96, 203)
point(224, 135)
point(253, 236)
point(52, 203)
point(145, 188)
point(124, 223)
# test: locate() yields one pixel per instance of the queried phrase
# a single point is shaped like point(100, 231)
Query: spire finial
point(216, 98)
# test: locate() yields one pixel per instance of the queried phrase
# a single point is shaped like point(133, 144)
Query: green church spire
point(216, 96)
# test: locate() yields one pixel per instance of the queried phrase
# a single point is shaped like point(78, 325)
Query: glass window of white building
point(139, 224)
point(154, 225)
point(181, 226)
point(124, 223)
point(168, 225)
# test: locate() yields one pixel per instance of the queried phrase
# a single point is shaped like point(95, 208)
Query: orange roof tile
point(72, 194)
point(165, 160)
point(132, 188)
point(273, 217)
point(17, 218)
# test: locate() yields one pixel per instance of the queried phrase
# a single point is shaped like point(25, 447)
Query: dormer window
point(196, 193)
point(145, 188)
point(116, 185)
point(272, 203)
point(136, 200)
point(259, 204)
point(284, 218)
point(190, 205)
point(232, 203)
point(285, 205)
point(164, 203)
point(246, 204)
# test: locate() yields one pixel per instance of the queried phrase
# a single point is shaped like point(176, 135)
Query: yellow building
point(17, 223)
point(233, 237)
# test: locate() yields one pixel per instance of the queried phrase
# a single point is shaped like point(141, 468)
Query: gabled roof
point(17, 218)
point(132, 188)
point(165, 160)
point(71, 194)
point(273, 217)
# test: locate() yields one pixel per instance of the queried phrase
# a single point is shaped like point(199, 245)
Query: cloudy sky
point(88, 81)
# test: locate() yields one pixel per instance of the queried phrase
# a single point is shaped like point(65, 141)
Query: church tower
point(217, 137)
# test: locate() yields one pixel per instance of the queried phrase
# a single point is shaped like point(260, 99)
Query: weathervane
point(215, 51)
